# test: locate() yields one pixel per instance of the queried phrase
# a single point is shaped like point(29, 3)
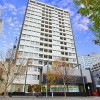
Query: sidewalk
point(48, 98)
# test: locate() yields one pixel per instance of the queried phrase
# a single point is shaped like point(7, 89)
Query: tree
point(91, 9)
point(60, 70)
point(9, 69)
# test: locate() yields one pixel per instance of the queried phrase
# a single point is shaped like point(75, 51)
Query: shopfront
point(96, 82)
point(60, 88)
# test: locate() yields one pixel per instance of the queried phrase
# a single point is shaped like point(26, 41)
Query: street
point(50, 98)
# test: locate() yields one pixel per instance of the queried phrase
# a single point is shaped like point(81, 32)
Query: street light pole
point(25, 77)
point(82, 78)
point(29, 62)
point(47, 80)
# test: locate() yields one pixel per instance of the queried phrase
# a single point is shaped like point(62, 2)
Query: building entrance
point(34, 88)
point(98, 90)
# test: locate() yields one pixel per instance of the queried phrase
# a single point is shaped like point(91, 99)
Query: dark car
point(38, 94)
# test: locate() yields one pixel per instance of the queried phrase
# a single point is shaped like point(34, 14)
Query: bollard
point(52, 94)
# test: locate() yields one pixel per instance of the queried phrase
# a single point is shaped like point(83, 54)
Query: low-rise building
point(96, 67)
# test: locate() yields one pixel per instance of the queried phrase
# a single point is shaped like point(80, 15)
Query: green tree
point(91, 9)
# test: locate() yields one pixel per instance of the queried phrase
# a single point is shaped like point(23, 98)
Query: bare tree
point(60, 71)
point(9, 69)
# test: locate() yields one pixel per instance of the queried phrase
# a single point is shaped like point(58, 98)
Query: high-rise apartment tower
point(46, 35)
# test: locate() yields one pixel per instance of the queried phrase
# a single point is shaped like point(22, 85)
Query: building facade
point(96, 67)
point(87, 61)
point(46, 35)
point(96, 55)
point(1, 24)
point(96, 81)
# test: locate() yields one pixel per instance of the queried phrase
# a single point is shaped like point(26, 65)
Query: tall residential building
point(1, 24)
point(46, 35)
point(87, 61)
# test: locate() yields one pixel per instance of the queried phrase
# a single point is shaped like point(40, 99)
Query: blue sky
point(13, 13)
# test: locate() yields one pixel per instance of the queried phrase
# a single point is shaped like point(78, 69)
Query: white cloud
point(4, 41)
point(22, 10)
point(79, 26)
point(9, 20)
point(82, 6)
point(4, 36)
point(12, 24)
point(80, 22)
point(15, 18)
point(72, 13)
point(14, 13)
point(10, 7)
point(20, 25)
point(16, 29)
point(16, 22)
point(11, 44)
point(85, 21)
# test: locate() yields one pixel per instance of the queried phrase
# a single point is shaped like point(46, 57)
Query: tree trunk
point(64, 89)
point(5, 91)
point(67, 86)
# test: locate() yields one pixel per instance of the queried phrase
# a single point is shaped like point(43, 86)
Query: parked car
point(38, 94)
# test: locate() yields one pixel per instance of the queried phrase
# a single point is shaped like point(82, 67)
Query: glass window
point(29, 77)
point(30, 54)
point(40, 62)
point(32, 42)
point(54, 52)
point(54, 46)
point(27, 42)
point(26, 48)
point(35, 61)
point(35, 68)
point(20, 53)
point(22, 41)
point(36, 55)
point(25, 53)
point(34, 77)
point(36, 49)
point(23, 35)
point(32, 48)
point(21, 46)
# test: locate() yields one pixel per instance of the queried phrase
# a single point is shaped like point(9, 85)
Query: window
point(23, 35)
point(40, 62)
point(36, 55)
point(32, 48)
point(35, 61)
point(36, 49)
point(35, 77)
point(26, 48)
point(20, 53)
point(25, 53)
point(30, 54)
point(22, 41)
point(32, 42)
point(27, 42)
point(21, 47)
point(29, 77)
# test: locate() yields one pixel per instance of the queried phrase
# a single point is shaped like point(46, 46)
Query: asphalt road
point(50, 98)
